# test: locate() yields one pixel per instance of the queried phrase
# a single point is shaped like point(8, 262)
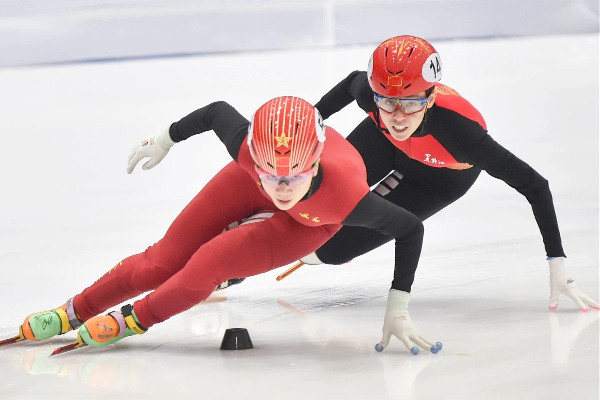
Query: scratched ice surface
point(70, 212)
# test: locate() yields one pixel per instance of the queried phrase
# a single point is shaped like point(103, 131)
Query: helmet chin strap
point(421, 127)
point(314, 184)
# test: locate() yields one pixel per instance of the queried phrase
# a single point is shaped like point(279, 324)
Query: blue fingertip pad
point(379, 347)
point(414, 351)
point(438, 345)
point(434, 349)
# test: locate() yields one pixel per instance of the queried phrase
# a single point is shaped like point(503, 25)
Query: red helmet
point(404, 66)
point(286, 136)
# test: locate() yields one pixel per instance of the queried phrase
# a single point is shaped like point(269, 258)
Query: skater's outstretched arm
point(391, 220)
point(229, 125)
point(353, 87)
point(481, 150)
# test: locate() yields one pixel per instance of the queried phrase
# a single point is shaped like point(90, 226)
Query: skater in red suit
point(427, 145)
point(286, 161)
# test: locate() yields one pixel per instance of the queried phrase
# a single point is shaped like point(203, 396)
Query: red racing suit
point(196, 255)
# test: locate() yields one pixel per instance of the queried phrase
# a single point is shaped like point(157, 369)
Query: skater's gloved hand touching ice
point(397, 322)
point(154, 147)
point(561, 283)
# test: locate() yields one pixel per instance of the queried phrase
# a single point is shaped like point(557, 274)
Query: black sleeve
point(354, 87)
point(376, 213)
point(229, 125)
point(500, 163)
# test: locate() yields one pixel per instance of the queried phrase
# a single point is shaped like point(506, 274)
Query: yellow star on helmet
point(283, 140)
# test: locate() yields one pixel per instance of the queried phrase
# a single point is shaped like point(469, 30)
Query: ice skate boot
point(46, 324)
point(107, 329)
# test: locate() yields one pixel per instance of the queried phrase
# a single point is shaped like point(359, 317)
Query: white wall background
point(41, 31)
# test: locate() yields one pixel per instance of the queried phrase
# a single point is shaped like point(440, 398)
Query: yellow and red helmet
point(403, 66)
point(286, 136)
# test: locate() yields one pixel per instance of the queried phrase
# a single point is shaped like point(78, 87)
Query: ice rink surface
point(70, 212)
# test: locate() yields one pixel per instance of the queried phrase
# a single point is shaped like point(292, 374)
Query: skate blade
point(289, 271)
point(19, 338)
point(73, 346)
point(11, 340)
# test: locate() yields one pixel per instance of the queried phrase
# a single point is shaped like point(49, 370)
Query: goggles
point(273, 181)
point(409, 106)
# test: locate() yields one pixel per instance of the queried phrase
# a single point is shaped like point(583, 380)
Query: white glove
point(397, 322)
point(561, 283)
point(155, 147)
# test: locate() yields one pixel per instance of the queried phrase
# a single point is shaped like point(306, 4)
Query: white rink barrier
point(41, 31)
